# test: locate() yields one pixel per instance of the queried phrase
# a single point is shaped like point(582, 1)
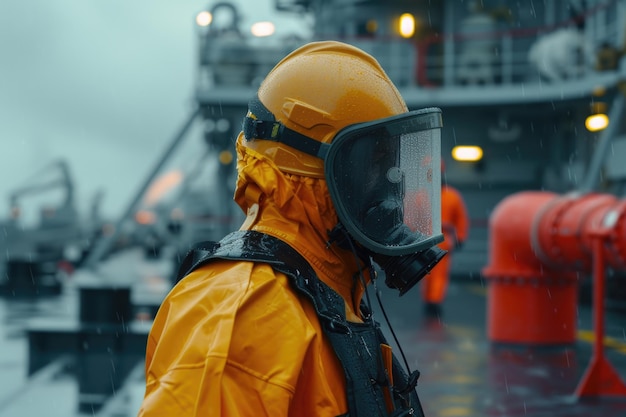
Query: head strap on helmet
point(260, 123)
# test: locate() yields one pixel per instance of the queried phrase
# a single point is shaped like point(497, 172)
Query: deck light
point(262, 29)
point(597, 119)
point(204, 18)
point(596, 122)
point(467, 153)
point(407, 25)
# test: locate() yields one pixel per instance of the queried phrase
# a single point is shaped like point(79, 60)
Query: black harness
point(357, 345)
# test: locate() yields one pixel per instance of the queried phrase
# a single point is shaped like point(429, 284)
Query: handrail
point(503, 42)
point(412, 63)
point(521, 32)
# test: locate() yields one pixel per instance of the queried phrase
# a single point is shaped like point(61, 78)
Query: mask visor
point(385, 181)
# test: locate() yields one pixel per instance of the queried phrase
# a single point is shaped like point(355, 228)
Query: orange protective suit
point(455, 228)
point(233, 339)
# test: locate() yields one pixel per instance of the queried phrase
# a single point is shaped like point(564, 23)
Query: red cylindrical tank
point(510, 250)
point(527, 302)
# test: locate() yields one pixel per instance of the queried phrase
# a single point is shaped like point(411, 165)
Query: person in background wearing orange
point(455, 228)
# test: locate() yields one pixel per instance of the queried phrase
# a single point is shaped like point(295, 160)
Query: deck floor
point(462, 372)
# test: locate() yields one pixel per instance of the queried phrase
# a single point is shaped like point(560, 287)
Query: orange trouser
point(435, 284)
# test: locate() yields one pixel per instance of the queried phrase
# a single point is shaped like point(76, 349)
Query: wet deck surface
point(462, 373)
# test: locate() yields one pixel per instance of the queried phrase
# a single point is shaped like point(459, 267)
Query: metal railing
point(521, 55)
point(475, 55)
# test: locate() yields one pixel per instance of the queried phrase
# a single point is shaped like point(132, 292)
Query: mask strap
point(260, 123)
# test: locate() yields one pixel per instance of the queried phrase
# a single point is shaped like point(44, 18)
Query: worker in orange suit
point(271, 321)
point(455, 228)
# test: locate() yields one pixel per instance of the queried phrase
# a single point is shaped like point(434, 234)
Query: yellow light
point(596, 122)
point(407, 25)
point(226, 157)
point(204, 18)
point(467, 153)
point(371, 26)
point(262, 29)
point(599, 91)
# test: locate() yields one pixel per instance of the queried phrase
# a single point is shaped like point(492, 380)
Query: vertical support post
point(448, 63)
point(507, 56)
point(600, 378)
point(421, 67)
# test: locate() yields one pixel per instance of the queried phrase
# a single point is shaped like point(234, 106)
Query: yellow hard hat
point(317, 90)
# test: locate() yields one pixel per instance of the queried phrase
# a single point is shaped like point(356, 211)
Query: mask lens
point(383, 184)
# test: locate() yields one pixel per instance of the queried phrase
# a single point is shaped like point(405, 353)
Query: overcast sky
point(102, 83)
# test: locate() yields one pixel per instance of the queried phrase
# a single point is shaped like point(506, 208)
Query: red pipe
point(539, 243)
point(563, 235)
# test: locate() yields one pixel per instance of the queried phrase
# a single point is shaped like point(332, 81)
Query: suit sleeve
point(225, 345)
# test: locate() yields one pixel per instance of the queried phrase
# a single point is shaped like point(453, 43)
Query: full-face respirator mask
point(385, 183)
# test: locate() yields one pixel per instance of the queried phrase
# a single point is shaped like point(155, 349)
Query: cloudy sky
point(104, 84)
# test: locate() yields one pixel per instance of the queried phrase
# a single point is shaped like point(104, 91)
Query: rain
point(118, 122)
